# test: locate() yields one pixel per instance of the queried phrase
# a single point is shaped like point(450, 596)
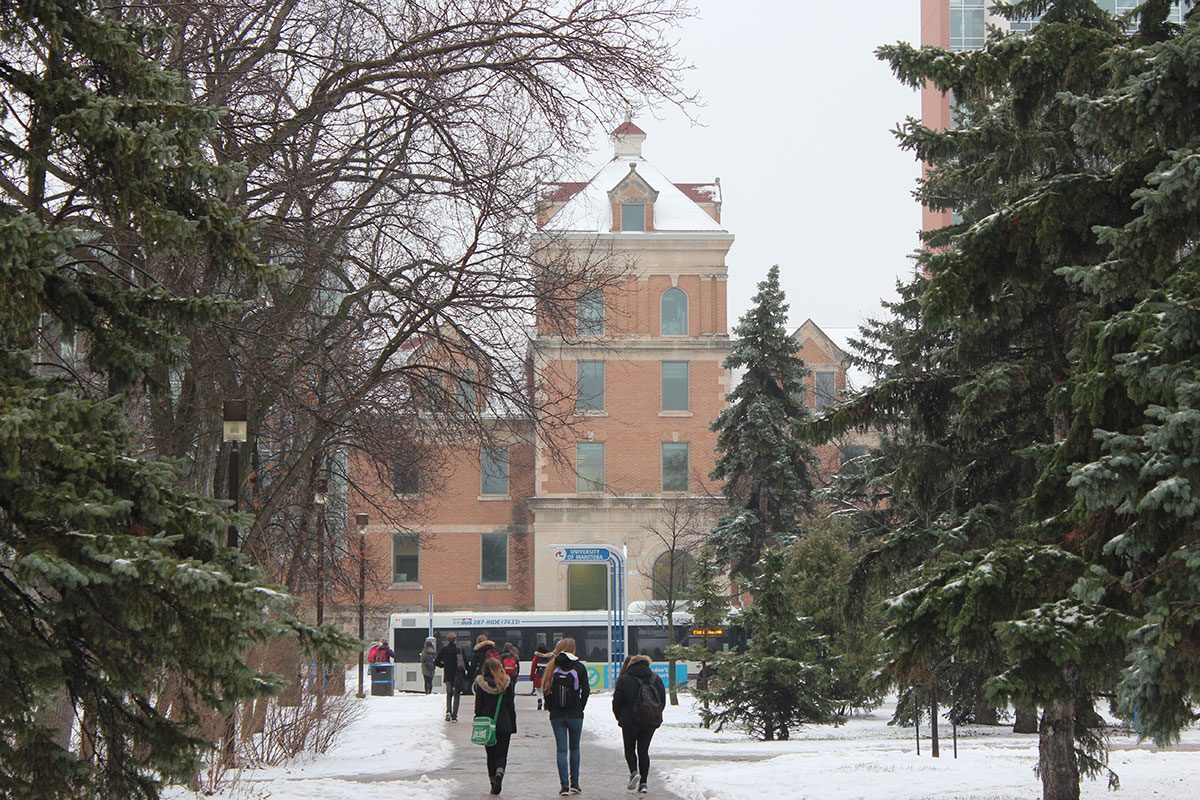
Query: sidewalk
point(532, 770)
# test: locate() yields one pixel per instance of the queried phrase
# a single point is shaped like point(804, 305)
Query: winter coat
point(380, 654)
point(566, 661)
point(625, 693)
point(538, 666)
point(448, 661)
point(486, 695)
point(428, 658)
point(482, 652)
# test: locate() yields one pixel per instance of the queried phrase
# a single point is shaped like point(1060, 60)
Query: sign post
point(618, 623)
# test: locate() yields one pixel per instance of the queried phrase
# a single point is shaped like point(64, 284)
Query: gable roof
point(810, 330)
point(588, 209)
point(627, 128)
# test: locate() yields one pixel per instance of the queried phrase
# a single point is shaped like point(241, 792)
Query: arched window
point(671, 573)
point(674, 312)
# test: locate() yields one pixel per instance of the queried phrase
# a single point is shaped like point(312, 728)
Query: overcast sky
point(796, 122)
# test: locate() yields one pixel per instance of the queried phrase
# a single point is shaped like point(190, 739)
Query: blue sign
point(582, 555)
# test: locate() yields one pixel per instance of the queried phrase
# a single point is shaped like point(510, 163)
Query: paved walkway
point(532, 770)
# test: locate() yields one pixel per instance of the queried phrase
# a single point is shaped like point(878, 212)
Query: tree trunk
point(60, 718)
point(1056, 752)
point(984, 712)
point(1026, 720)
point(934, 746)
point(672, 689)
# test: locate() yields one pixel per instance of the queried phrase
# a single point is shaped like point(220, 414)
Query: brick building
point(645, 356)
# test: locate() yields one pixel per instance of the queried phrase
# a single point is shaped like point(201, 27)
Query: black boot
point(497, 779)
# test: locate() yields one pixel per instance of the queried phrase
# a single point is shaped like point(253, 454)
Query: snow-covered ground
point(393, 747)
point(867, 759)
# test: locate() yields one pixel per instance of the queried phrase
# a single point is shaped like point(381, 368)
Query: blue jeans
point(567, 733)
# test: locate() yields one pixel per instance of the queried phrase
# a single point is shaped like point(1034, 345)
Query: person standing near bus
point(428, 658)
point(639, 698)
point(541, 656)
point(566, 690)
point(493, 685)
point(453, 662)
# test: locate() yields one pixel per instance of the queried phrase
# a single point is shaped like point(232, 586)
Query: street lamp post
point(233, 431)
point(361, 521)
point(320, 498)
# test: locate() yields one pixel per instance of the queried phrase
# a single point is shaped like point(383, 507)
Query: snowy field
point(868, 760)
point(393, 748)
point(398, 749)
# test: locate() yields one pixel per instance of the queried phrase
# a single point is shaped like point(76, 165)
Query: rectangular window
point(674, 466)
point(825, 391)
point(405, 475)
point(464, 393)
point(406, 558)
point(674, 386)
point(589, 377)
point(493, 468)
point(589, 313)
point(493, 558)
point(633, 216)
point(589, 467)
point(967, 29)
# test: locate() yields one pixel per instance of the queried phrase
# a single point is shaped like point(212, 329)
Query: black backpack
point(647, 709)
point(564, 688)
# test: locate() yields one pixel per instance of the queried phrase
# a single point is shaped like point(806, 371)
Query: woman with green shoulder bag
point(495, 718)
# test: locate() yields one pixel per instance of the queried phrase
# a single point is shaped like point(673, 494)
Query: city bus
point(526, 629)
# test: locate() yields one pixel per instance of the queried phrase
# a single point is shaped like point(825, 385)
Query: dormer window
point(633, 217)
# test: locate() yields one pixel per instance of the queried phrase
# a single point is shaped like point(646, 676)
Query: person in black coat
point(636, 732)
point(566, 721)
point(454, 664)
point(493, 686)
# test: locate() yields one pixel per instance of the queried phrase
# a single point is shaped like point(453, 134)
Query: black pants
point(497, 754)
point(637, 748)
point(428, 684)
point(453, 694)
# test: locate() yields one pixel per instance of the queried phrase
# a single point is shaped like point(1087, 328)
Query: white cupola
point(627, 140)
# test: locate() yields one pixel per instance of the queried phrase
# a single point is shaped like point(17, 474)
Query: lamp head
point(234, 427)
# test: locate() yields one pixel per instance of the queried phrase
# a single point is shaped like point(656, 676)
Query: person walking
point(453, 662)
point(484, 649)
point(639, 698)
point(429, 663)
point(541, 656)
point(493, 685)
point(565, 686)
point(510, 659)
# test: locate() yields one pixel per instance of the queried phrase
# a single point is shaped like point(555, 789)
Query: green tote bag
point(483, 729)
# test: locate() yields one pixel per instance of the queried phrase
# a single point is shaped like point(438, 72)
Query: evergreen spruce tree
point(707, 601)
point(785, 677)
point(764, 461)
point(109, 576)
point(1056, 313)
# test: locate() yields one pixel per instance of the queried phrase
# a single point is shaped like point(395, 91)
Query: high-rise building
point(964, 25)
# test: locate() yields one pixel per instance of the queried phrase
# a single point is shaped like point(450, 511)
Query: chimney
point(627, 140)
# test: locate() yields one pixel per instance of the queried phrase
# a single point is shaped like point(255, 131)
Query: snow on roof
point(589, 208)
point(701, 192)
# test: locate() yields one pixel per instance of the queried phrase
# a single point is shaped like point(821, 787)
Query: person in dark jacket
point(566, 720)
point(541, 656)
point(429, 663)
point(637, 733)
point(484, 649)
point(491, 685)
point(453, 662)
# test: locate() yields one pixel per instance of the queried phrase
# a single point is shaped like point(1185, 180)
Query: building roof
point(588, 208)
point(627, 128)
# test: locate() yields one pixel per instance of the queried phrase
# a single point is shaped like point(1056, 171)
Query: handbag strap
point(499, 700)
